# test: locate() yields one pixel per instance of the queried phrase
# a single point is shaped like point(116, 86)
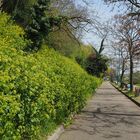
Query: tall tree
point(128, 33)
point(39, 27)
point(133, 6)
point(77, 17)
point(121, 59)
point(18, 9)
point(40, 17)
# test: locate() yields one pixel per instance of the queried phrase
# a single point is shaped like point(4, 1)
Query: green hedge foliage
point(37, 88)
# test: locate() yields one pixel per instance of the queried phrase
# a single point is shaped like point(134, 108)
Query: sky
point(104, 12)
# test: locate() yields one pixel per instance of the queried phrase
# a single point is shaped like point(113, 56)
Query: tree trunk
point(131, 73)
point(122, 74)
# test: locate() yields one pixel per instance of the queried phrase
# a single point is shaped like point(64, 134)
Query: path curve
point(108, 116)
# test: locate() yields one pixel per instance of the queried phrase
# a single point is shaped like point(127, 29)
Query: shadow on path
point(106, 116)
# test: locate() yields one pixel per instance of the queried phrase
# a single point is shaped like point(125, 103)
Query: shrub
point(36, 89)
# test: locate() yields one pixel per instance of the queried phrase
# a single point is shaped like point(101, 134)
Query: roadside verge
point(134, 101)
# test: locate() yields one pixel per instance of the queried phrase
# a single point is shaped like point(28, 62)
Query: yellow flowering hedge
point(37, 88)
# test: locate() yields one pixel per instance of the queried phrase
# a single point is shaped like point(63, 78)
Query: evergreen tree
point(39, 26)
point(41, 23)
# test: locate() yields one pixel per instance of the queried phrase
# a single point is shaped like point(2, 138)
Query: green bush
point(36, 89)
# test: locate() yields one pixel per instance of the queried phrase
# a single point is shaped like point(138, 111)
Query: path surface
point(108, 116)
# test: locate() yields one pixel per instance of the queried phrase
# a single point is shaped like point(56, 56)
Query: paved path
point(108, 116)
